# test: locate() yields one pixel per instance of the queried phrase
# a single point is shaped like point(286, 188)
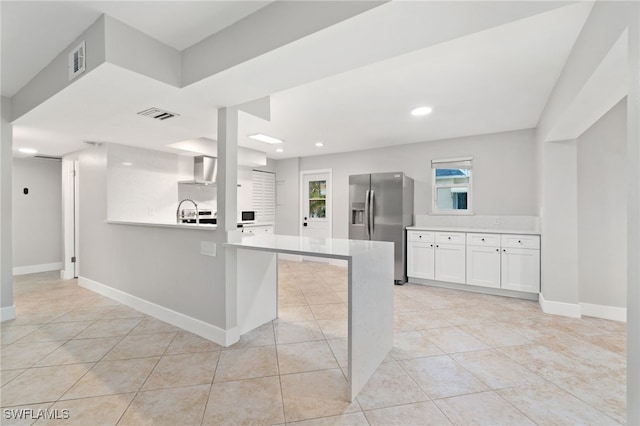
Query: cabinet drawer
point(450, 237)
point(257, 230)
point(483, 240)
point(420, 236)
point(521, 241)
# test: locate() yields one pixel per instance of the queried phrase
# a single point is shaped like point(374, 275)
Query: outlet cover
point(208, 248)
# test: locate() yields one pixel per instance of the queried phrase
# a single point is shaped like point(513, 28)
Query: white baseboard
point(559, 308)
point(32, 269)
point(7, 313)
point(475, 289)
point(602, 311)
point(196, 326)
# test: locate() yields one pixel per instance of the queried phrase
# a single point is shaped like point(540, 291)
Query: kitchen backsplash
point(524, 223)
point(205, 196)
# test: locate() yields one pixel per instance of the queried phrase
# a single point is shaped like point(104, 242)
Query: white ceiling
point(35, 32)
point(488, 81)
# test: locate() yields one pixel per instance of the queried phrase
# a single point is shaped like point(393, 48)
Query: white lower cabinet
point(450, 263)
point(420, 261)
point(521, 269)
point(507, 261)
point(483, 266)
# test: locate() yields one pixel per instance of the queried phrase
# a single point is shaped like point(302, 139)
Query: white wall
point(287, 195)
point(132, 49)
point(602, 210)
point(504, 180)
point(161, 265)
point(559, 275)
point(37, 216)
point(55, 76)
point(147, 189)
point(7, 311)
point(607, 21)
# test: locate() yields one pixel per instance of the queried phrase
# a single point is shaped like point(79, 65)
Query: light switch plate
point(207, 248)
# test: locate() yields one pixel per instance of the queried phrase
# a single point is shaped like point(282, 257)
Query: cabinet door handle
point(449, 237)
point(420, 236)
point(431, 245)
point(497, 249)
point(519, 242)
point(504, 250)
point(483, 239)
point(437, 246)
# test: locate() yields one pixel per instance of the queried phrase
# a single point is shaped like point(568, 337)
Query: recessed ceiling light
point(319, 144)
point(265, 138)
point(127, 164)
point(279, 150)
point(28, 150)
point(423, 110)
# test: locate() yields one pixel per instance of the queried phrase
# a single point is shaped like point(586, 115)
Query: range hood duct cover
point(205, 170)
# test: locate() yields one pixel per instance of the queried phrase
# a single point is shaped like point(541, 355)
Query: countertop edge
point(286, 244)
point(474, 230)
point(165, 225)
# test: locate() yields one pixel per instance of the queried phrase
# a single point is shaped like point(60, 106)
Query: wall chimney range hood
point(205, 171)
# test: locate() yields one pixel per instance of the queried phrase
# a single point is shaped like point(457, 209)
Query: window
point(452, 186)
point(264, 195)
point(317, 199)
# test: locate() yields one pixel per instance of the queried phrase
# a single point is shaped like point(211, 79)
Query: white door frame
point(69, 217)
point(329, 196)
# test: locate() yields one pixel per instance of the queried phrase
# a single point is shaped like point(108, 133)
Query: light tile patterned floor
point(459, 358)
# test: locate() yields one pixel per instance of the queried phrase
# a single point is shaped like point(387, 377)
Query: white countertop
point(473, 230)
point(336, 248)
point(202, 227)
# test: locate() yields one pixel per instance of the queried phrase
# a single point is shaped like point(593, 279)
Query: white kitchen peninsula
point(370, 280)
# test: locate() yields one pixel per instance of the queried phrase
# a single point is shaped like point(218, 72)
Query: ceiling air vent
point(77, 61)
point(158, 114)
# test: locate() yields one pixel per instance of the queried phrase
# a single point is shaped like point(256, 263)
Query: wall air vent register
point(77, 61)
point(158, 114)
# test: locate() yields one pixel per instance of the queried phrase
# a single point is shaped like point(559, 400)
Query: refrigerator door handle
point(372, 213)
point(366, 214)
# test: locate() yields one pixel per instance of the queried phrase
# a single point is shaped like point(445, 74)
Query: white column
point(227, 213)
point(633, 217)
point(7, 309)
point(227, 169)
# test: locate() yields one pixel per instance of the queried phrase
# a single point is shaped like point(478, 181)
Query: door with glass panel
point(316, 205)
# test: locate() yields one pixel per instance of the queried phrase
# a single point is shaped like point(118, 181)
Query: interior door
point(316, 206)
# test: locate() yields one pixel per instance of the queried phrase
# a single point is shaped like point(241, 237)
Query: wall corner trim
point(571, 310)
point(196, 326)
point(7, 313)
point(613, 313)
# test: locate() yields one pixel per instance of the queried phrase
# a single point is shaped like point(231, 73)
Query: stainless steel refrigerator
point(380, 208)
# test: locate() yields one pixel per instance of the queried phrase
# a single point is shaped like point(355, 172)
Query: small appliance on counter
point(206, 216)
point(248, 216)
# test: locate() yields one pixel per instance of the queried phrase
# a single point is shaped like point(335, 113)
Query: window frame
point(452, 163)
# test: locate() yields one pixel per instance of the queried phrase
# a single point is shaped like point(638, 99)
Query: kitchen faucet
point(194, 204)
